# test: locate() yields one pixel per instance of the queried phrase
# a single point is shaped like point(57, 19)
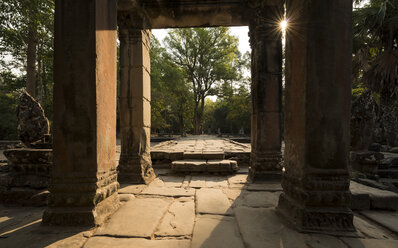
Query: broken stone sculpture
point(33, 127)
point(29, 165)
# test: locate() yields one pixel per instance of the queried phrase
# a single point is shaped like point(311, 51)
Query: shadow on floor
point(22, 227)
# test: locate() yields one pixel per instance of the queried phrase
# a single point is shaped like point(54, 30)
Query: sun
point(283, 25)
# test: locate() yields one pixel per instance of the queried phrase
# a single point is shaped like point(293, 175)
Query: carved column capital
point(133, 20)
point(264, 24)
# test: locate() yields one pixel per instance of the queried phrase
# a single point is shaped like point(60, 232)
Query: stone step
point(365, 197)
point(388, 173)
point(213, 165)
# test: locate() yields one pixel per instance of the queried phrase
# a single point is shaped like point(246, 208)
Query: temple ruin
point(84, 182)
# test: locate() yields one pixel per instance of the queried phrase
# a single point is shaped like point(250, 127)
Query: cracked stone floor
point(194, 211)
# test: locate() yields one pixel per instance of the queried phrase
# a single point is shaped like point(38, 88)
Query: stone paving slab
point(238, 179)
point(261, 227)
point(178, 221)
point(387, 219)
point(131, 189)
point(200, 147)
point(216, 232)
point(370, 243)
point(197, 182)
point(111, 242)
point(216, 182)
point(368, 230)
point(202, 165)
point(258, 226)
point(137, 218)
point(172, 181)
point(163, 191)
point(257, 199)
point(20, 227)
point(272, 187)
point(379, 199)
point(212, 201)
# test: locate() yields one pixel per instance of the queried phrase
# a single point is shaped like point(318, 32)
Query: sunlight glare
point(283, 25)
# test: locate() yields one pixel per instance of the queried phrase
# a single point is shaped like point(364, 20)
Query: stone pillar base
point(256, 176)
point(82, 201)
point(82, 216)
point(314, 219)
point(135, 178)
point(135, 170)
point(266, 167)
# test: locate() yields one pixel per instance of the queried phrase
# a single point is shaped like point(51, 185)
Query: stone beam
point(316, 182)
point(135, 165)
point(84, 178)
point(192, 13)
point(266, 42)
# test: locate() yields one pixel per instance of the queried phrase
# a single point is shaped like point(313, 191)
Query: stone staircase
point(206, 154)
point(223, 166)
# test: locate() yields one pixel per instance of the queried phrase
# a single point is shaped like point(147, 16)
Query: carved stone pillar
point(84, 179)
point(266, 43)
point(135, 165)
point(316, 193)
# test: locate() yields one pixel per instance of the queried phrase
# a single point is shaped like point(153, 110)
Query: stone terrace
point(199, 211)
point(201, 147)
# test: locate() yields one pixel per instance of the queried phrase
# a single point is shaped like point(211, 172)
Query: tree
point(26, 57)
point(376, 57)
point(171, 95)
point(207, 56)
point(26, 31)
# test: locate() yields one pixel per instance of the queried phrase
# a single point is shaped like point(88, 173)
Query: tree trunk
point(39, 78)
point(31, 59)
point(196, 119)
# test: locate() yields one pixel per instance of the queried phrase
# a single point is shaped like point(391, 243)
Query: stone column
point(266, 43)
point(135, 165)
point(84, 179)
point(316, 182)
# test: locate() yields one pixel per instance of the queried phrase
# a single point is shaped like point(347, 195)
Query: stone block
point(164, 191)
point(360, 201)
point(216, 231)
point(197, 182)
point(257, 199)
point(370, 243)
point(213, 155)
point(387, 219)
point(99, 242)
point(379, 199)
point(193, 155)
point(366, 229)
point(178, 221)
point(212, 201)
point(146, 211)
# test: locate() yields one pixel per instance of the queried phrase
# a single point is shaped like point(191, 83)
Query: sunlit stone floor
point(193, 211)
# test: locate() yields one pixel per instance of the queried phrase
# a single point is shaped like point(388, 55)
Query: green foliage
point(197, 63)
point(172, 99)
point(17, 18)
point(207, 57)
point(375, 46)
point(8, 120)
point(230, 113)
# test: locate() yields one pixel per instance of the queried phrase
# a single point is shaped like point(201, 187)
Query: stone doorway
point(318, 68)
